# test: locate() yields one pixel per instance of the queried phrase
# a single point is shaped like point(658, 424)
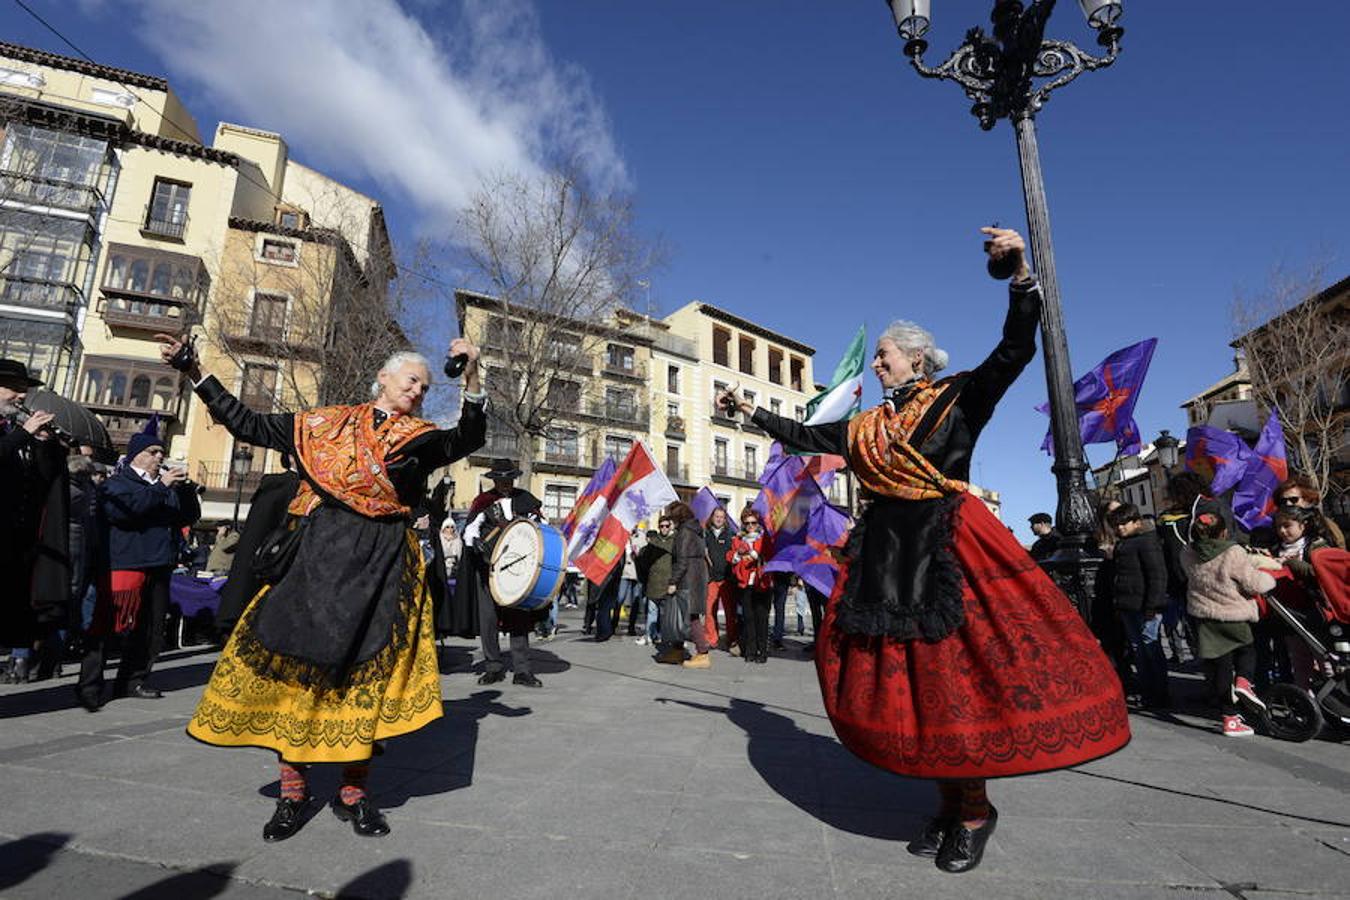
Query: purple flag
point(703, 505)
point(1267, 466)
point(599, 479)
point(1217, 455)
point(1105, 399)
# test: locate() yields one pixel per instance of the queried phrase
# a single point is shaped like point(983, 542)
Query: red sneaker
point(1243, 688)
point(1233, 726)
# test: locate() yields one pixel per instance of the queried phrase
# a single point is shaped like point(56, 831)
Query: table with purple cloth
point(193, 596)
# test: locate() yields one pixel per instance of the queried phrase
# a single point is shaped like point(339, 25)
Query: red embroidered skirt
point(1021, 687)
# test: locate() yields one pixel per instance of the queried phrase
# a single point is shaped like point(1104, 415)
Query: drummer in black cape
point(488, 514)
point(945, 651)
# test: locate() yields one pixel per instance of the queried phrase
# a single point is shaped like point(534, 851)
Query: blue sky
point(803, 176)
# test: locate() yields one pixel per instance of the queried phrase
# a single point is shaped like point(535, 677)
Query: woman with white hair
point(339, 651)
point(946, 652)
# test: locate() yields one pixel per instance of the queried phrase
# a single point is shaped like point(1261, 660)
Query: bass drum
point(526, 565)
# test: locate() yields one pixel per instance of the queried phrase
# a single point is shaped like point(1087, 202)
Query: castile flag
point(1105, 399)
point(1267, 466)
point(843, 397)
point(637, 489)
point(599, 479)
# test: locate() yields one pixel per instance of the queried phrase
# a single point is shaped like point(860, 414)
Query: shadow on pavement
point(768, 731)
point(199, 884)
point(444, 752)
point(1212, 799)
point(22, 858)
point(62, 696)
point(387, 882)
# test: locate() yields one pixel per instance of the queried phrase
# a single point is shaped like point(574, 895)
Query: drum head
point(514, 565)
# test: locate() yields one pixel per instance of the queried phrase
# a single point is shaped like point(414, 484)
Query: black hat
point(13, 370)
point(1038, 518)
point(503, 469)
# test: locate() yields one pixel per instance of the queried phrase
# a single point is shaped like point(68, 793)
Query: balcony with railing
point(165, 223)
point(126, 393)
point(632, 414)
point(39, 191)
point(623, 367)
point(40, 293)
point(734, 473)
point(220, 479)
point(675, 427)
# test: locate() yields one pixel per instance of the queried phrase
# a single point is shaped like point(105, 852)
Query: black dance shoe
point(962, 849)
point(139, 692)
point(286, 820)
point(930, 842)
point(367, 821)
point(526, 679)
point(491, 677)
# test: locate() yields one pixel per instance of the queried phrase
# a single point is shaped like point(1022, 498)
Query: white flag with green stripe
point(843, 397)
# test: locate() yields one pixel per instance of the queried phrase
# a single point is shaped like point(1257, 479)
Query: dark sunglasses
point(1288, 501)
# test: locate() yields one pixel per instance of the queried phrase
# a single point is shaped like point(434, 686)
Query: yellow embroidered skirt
point(315, 724)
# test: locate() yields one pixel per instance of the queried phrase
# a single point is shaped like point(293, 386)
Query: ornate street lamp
point(1010, 76)
point(1166, 445)
point(241, 463)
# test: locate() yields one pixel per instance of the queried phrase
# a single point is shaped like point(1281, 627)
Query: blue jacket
point(144, 520)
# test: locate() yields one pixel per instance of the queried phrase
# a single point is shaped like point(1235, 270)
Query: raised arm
point(274, 430)
point(439, 448)
point(830, 438)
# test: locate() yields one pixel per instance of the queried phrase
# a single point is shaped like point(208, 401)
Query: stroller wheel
point(1291, 714)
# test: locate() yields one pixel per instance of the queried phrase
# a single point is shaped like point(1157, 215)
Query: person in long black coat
point(266, 513)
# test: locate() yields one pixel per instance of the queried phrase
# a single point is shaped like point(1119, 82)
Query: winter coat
point(655, 561)
point(1045, 546)
point(1223, 588)
point(747, 561)
point(144, 519)
point(1173, 530)
point(222, 553)
point(689, 571)
point(1140, 574)
point(34, 535)
point(718, 548)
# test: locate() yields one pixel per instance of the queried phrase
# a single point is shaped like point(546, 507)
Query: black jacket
point(1045, 546)
point(1140, 576)
point(144, 519)
point(718, 547)
point(34, 535)
point(689, 568)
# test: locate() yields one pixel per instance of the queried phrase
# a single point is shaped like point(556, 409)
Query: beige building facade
point(117, 222)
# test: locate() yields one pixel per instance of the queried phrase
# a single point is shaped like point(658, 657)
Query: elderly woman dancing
point(340, 652)
point(946, 652)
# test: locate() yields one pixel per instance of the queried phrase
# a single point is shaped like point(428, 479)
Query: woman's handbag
point(674, 618)
point(276, 552)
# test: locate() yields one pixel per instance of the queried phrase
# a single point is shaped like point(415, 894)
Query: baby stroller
point(1292, 714)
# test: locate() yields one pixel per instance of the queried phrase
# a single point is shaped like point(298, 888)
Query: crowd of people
point(945, 652)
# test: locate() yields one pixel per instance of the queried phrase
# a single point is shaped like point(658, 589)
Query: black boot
point(962, 849)
point(286, 820)
point(367, 821)
point(930, 842)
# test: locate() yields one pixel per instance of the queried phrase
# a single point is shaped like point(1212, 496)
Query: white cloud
point(363, 87)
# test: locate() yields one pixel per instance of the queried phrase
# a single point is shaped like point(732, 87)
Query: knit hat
point(144, 439)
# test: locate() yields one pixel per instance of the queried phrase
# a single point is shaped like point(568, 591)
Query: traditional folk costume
point(945, 651)
point(339, 653)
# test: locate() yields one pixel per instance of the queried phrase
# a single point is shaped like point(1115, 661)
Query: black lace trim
point(938, 612)
point(269, 664)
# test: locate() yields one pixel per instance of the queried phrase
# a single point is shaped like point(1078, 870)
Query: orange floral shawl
point(343, 452)
point(884, 460)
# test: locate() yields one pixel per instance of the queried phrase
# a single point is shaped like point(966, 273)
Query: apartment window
point(259, 387)
point(619, 358)
point(560, 445)
point(268, 319)
point(799, 413)
point(673, 460)
point(720, 452)
point(620, 404)
point(562, 348)
point(616, 448)
point(563, 395)
point(673, 379)
point(278, 250)
point(43, 153)
point(721, 346)
point(558, 501)
point(109, 383)
point(776, 407)
point(751, 460)
point(747, 355)
point(167, 213)
point(775, 365)
point(797, 367)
